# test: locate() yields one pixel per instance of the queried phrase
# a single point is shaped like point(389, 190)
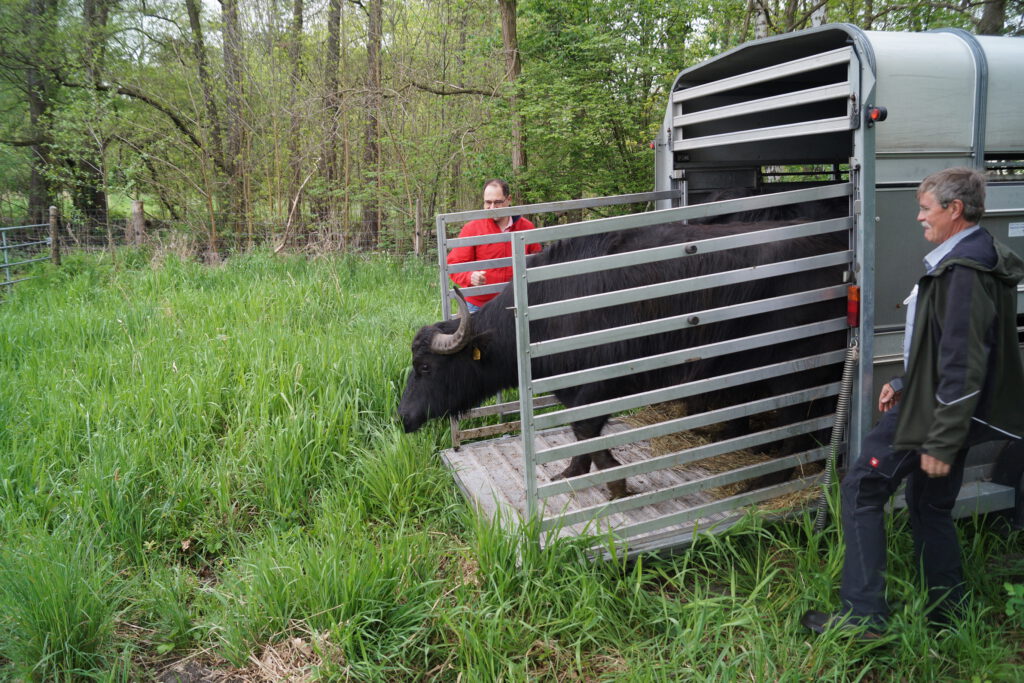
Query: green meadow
point(202, 476)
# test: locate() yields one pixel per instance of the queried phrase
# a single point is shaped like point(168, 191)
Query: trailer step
point(976, 497)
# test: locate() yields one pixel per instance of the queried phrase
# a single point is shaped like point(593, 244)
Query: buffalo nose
point(409, 424)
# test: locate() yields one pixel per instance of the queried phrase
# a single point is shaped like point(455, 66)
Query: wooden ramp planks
point(490, 474)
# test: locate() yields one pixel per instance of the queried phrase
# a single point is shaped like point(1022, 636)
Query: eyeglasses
point(490, 203)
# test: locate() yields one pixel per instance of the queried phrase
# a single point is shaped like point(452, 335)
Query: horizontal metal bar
point(789, 130)
point(674, 426)
point(20, 279)
point(683, 213)
point(819, 94)
point(8, 247)
point(509, 407)
point(687, 355)
point(654, 497)
point(709, 450)
point(553, 207)
point(692, 284)
point(724, 505)
point(932, 153)
point(1013, 211)
point(489, 430)
point(21, 263)
point(477, 240)
point(678, 391)
point(504, 262)
point(769, 73)
point(22, 227)
point(478, 290)
point(686, 249)
point(679, 322)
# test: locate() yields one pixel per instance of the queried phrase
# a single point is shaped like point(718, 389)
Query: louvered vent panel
point(806, 96)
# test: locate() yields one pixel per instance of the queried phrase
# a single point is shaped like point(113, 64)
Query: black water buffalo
point(457, 364)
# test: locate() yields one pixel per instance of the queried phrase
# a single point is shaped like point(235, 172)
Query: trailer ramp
point(491, 475)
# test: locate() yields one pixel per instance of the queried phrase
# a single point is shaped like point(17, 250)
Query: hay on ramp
point(727, 462)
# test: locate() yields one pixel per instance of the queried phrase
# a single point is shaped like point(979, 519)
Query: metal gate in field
point(675, 492)
point(21, 246)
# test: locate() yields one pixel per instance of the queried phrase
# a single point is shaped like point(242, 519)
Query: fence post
point(138, 222)
point(417, 236)
point(54, 237)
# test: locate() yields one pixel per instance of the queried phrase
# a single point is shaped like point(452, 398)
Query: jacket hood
point(983, 252)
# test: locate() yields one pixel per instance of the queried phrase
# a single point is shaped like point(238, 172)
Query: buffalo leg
point(580, 464)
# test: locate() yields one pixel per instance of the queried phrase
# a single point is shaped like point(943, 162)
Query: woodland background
point(338, 122)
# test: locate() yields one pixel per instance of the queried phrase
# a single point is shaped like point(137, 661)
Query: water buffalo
point(458, 363)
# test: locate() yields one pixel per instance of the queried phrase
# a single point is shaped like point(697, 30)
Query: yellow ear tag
point(476, 353)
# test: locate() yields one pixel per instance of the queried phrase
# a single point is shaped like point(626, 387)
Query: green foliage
point(127, 104)
point(58, 602)
point(593, 90)
point(1015, 602)
point(203, 464)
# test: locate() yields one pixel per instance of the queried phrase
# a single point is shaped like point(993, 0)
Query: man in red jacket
point(496, 195)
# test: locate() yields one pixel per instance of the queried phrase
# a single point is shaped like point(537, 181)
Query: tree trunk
point(324, 204)
point(205, 83)
point(294, 204)
point(235, 162)
point(513, 67)
point(371, 150)
point(89, 194)
point(40, 195)
point(761, 21)
point(993, 18)
point(39, 88)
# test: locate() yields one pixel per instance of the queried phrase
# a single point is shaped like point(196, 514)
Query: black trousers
point(867, 487)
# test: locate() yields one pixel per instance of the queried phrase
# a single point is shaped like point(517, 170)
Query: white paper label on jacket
point(1016, 229)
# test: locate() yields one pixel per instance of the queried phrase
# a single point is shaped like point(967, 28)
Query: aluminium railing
point(15, 250)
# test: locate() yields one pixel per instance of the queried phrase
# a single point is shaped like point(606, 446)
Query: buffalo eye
point(423, 369)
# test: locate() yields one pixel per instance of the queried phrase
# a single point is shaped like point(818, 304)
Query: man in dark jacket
point(964, 384)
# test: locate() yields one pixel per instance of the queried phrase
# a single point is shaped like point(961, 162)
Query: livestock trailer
point(832, 117)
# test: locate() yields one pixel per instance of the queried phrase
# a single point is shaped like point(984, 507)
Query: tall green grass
point(205, 463)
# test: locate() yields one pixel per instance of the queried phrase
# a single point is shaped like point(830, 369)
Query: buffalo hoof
point(570, 472)
point(618, 489)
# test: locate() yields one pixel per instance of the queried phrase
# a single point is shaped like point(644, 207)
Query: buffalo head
point(451, 370)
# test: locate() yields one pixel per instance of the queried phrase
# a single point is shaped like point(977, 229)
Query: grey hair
point(965, 184)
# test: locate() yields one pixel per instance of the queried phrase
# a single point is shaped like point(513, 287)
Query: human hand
point(477, 278)
point(934, 467)
point(888, 398)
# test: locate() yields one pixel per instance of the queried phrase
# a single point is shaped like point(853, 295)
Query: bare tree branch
point(452, 90)
point(129, 91)
point(23, 143)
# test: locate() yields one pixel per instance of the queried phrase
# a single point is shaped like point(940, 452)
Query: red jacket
point(482, 252)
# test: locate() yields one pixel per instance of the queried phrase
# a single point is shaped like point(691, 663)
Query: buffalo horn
point(447, 344)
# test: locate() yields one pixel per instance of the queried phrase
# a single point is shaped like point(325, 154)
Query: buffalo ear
point(480, 345)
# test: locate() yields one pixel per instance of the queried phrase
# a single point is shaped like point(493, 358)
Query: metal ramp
point(491, 476)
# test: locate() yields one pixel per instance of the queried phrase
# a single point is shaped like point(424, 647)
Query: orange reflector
point(853, 306)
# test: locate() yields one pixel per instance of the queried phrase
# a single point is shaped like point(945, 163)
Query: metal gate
point(21, 246)
point(671, 501)
point(506, 410)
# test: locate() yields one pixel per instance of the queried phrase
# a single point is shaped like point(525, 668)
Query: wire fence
point(212, 240)
point(225, 237)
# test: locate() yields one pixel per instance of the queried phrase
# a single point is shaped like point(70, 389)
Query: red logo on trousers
point(873, 462)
